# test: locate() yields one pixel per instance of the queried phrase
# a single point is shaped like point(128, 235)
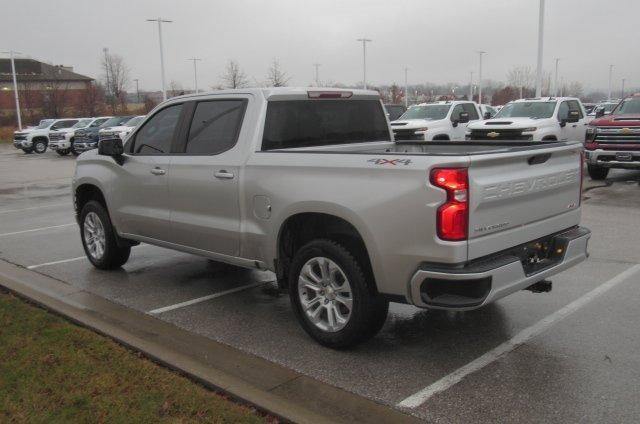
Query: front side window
point(156, 136)
point(563, 111)
point(65, 124)
point(471, 110)
point(215, 126)
point(455, 114)
point(307, 123)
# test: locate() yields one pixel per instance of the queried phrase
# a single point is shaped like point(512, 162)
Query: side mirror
point(487, 115)
point(463, 118)
point(111, 147)
point(599, 112)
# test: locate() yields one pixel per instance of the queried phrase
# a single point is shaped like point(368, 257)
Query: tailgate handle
point(534, 160)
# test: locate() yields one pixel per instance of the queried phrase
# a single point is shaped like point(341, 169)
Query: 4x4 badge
point(390, 161)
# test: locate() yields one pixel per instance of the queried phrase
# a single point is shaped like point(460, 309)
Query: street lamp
point(555, 83)
point(610, 75)
point(195, 73)
point(317, 66)
point(480, 53)
point(15, 87)
point(137, 90)
point(471, 86)
point(540, 49)
point(622, 90)
point(364, 42)
point(160, 21)
point(406, 87)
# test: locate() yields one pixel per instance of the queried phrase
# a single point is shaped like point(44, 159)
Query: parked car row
point(72, 135)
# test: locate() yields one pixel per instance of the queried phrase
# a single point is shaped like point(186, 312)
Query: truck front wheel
point(99, 238)
point(597, 172)
point(40, 146)
point(331, 296)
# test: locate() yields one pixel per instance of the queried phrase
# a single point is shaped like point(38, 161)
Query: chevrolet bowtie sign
point(493, 134)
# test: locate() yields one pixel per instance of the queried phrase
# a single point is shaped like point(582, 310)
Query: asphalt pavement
point(568, 355)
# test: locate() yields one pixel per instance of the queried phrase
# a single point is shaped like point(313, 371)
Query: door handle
point(224, 175)
point(158, 171)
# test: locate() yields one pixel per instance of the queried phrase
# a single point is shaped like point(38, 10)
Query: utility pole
point(137, 90)
point(15, 86)
point(555, 83)
point(471, 86)
point(317, 66)
point(480, 53)
point(105, 50)
point(622, 91)
point(540, 50)
point(406, 87)
point(610, 75)
point(160, 21)
point(195, 73)
point(364, 60)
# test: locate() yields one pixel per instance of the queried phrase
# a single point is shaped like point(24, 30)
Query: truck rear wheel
point(597, 172)
point(99, 238)
point(331, 296)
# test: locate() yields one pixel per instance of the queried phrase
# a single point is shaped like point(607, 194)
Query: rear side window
point(156, 136)
point(215, 126)
point(306, 123)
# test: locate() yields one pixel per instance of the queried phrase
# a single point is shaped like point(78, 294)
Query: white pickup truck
point(36, 139)
point(539, 119)
point(309, 183)
point(438, 121)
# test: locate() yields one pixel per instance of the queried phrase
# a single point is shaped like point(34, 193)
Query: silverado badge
point(493, 134)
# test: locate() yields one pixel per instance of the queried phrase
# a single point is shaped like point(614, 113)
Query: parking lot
point(579, 360)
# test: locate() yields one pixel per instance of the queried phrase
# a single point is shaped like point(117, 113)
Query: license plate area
point(540, 254)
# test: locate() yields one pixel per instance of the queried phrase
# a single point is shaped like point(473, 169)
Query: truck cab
point(440, 121)
point(539, 119)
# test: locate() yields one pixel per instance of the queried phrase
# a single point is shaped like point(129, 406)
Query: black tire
point(597, 173)
point(27, 151)
point(369, 309)
point(40, 146)
point(73, 149)
point(62, 152)
point(114, 256)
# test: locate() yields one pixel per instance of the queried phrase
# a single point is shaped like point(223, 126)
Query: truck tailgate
point(521, 196)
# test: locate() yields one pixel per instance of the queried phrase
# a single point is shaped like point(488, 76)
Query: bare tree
point(234, 76)
point(521, 77)
point(175, 89)
point(276, 77)
point(91, 100)
point(116, 80)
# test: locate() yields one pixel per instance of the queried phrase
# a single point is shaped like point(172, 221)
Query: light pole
point(480, 53)
point(15, 87)
point(137, 90)
point(160, 21)
point(195, 73)
point(471, 86)
point(317, 66)
point(364, 42)
point(105, 50)
point(610, 75)
point(555, 83)
point(406, 87)
point(622, 91)
point(540, 49)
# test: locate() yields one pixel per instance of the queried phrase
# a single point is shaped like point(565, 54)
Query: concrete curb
point(246, 378)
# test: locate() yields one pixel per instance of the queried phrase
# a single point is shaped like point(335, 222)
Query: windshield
point(82, 123)
point(99, 122)
point(535, 110)
point(45, 123)
point(116, 121)
point(628, 106)
point(430, 112)
point(134, 121)
point(608, 107)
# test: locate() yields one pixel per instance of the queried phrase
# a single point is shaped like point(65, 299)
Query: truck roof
point(544, 99)
point(292, 93)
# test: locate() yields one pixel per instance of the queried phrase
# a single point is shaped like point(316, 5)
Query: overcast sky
point(435, 39)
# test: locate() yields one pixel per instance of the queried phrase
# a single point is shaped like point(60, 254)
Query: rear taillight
point(453, 216)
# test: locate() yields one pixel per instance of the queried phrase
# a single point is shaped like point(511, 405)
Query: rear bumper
point(612, 158)
point(476, 284)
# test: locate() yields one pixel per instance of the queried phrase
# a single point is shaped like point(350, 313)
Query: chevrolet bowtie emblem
point(493, 134)
point(625, 130)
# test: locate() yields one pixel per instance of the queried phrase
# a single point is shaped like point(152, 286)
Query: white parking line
point(37, 229)
point(56, 262)
point(205, 298)
point(522, 337)
point(37, 207)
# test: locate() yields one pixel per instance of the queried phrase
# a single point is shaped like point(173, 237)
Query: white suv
point(539, 119)
point(436, 121)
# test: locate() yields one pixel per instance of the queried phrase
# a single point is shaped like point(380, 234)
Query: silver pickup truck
point(309, 183)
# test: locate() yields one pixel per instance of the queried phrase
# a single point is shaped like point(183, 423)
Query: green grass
point(52, 371)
